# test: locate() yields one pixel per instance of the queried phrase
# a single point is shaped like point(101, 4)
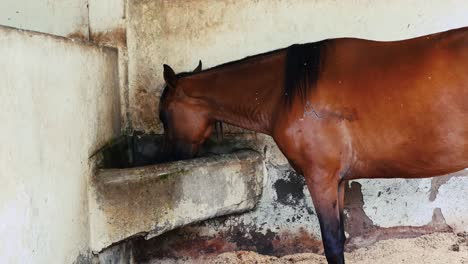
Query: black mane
point(232, 63)
point(302, 69)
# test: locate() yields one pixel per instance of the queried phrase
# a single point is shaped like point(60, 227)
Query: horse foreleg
point(328, 196)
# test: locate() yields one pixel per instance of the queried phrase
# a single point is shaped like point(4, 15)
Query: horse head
point(186, 120)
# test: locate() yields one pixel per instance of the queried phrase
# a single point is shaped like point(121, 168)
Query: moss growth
point(165, 176)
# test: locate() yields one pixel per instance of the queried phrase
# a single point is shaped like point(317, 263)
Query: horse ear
point(169, 76)
point(199, 67)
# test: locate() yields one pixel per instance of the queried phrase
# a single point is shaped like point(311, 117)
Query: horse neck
point(245, 94)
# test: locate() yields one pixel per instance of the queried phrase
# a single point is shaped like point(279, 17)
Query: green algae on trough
point(164, 176)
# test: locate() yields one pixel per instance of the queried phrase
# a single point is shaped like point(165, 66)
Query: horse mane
point(232, 63)
point(302, 70)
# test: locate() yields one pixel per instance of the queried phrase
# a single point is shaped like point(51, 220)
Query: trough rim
point(134, 174)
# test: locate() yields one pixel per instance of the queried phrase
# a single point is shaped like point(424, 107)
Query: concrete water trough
point(132, 196)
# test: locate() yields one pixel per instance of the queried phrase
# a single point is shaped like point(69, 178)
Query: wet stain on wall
point(113, 38)
point(436, 183)
point(290, 190)
point(145, 112)
point(186, 242)
point(78, 35)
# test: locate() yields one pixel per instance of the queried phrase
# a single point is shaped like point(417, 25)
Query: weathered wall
point(57, 17)
point(102, 22)
point(59, 103)
point(180, 33)
point(108, 26)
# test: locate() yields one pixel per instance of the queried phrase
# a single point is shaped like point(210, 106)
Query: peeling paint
point(376, 234)
point(356, 221)
point(436, 183)
point(290, 190)
point(363, 232)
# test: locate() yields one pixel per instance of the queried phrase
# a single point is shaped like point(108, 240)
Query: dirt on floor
point(440, 248)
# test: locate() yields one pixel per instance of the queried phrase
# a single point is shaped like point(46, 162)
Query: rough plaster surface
point(98, 21)
point(396, 202)
point(286, 206)
point(453, 201)
point(108, 27)
point(57, 17)
point(106, 15)
point(152, 200)
point(59, 103)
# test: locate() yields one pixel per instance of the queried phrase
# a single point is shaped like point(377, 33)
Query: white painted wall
point(397, 202)
point(106, 15)
point(108, 26)
point(57, 17)
point(59, 102)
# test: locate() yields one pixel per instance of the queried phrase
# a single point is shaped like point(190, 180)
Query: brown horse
point(339, 109)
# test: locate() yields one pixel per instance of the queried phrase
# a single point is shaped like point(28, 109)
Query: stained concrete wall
point(59, 103)
point(180, 33)
point(108, 27)
point(102, 22)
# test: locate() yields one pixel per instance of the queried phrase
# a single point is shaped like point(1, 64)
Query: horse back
point(407, 103)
